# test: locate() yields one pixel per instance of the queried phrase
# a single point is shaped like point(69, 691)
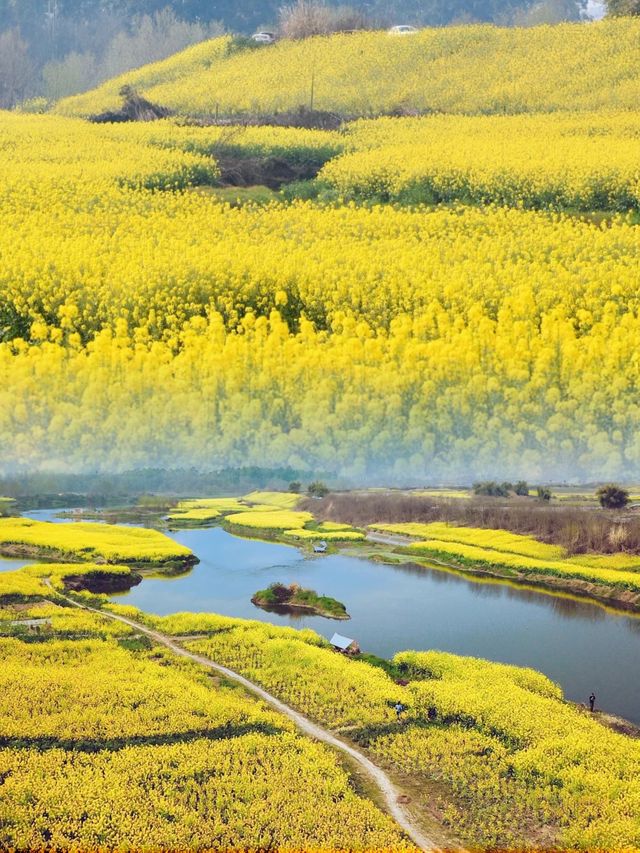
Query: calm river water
point(576, 643)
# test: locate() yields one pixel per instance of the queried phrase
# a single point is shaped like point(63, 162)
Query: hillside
point(470, 69)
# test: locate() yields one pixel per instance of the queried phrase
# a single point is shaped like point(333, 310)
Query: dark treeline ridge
point(46, 490)
point(577, 529)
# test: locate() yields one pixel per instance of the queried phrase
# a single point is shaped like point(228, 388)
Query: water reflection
point(580, 644)
point(10, 565)
point(577, 643)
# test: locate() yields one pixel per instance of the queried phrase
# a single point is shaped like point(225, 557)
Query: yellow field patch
point(330, 535)
point(368, 73)
point(558, 161)
point(197, 514)
point(498, 540)
point(560, 568)
point(284, 500)
point(274, 520)
point(86, 541)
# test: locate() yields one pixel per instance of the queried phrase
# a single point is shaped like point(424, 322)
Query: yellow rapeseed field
point(630, 562)
point(581, 162)
point(342, 535)
point(498, 540)
point(141, 325)
point(144, 324)
point(468, 69)
point(512, 761)
point(282, 500)
point(277, 519)
point(86, 541)
point(103, 748)
point(603, 574)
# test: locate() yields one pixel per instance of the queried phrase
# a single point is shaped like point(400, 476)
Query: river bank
point(393, 548)
point(396, 604)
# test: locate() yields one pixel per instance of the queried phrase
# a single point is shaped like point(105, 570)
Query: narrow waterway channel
point(7, 565)
point(577, 643)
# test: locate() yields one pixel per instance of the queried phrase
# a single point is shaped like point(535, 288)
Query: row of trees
point(610, 496)
point(47, 71)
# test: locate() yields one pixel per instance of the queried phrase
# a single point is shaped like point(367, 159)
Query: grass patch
point(294, 597)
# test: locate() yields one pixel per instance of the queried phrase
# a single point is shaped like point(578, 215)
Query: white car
point(263, 38)
point(403, 30)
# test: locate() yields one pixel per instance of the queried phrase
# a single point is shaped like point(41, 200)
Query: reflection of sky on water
point(577, 643)
point(7, 565)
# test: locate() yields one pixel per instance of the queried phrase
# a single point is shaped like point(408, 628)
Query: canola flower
point(195, 514)
point(329, 535)
point(29, 582)
point(212, 509)
point(566, 161)
point(497, 540)
point(603, 574)
point(20, 586)
point(282, 500)
point(510, 758)
point(273, 519)
point(250, 792)
point(54, 157)
point(221, 506)
point(164, 326)
point(111, 749)
point(86, 541)
point(622, 561)
point(467, 69)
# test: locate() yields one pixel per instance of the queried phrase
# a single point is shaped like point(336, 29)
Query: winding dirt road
point(386, 787)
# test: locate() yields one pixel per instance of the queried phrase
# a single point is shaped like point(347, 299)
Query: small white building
point(345, 645)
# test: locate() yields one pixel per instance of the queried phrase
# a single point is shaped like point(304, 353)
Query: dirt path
point(388, 790)
point(394, 539)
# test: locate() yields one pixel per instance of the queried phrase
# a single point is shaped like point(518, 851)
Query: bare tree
point(150, 39)
point(547, 12)
point(77, 72)
point(623, 7)
point(303, 19)
point(17, 72)
point(306, 18)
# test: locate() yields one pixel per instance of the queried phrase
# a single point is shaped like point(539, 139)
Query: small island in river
point(293, 598)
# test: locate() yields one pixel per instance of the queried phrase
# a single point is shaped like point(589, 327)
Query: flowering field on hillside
point(571, 161)
point(143, 328)
point(469, 69)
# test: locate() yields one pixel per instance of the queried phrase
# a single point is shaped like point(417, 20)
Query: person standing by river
point(592, 702)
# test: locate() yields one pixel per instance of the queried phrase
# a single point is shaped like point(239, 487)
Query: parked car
point(402, 30)
point(264, 37)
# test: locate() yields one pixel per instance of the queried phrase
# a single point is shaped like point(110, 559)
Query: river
point(577, 643)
